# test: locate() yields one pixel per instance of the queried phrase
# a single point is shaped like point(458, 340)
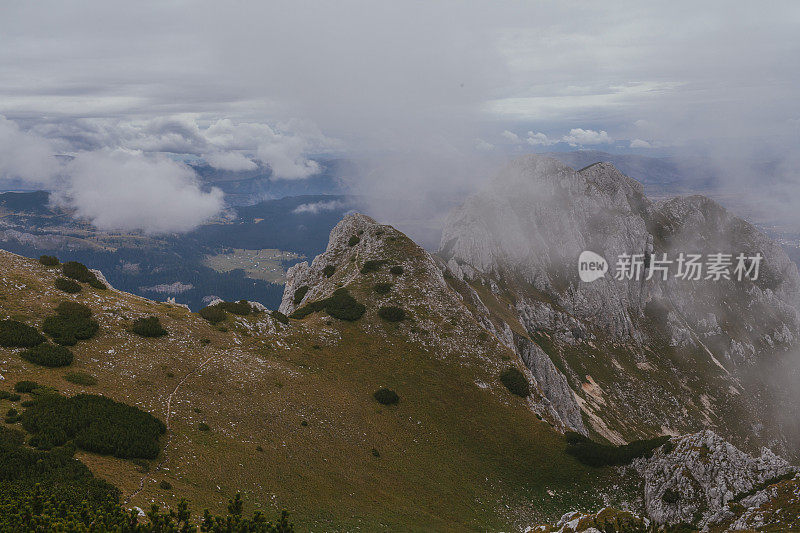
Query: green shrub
point(373, 265)
point(668, 447)
point(68, 285)
point(166, 485)
point(280, 317)
point(95, 423)
point(71, 323)
point(15, 334)
point(386, 396)
point(81, 378)
point(382, 288)
point(299, 294)
point(353, 241)
point(49, 355)
point(97, 284)
point(391, 313)
point(148, 327)
point(328, 271)
point(25, 387)
point(241, 308)
point(10, 396)
point(78, 271)
point(670, 496)
point(12, 416)
point(340, 305)
point(48, 260)
point(516, 382)
point(396, 270)
point(595, 454)
point(202, 426)
point(213, 313)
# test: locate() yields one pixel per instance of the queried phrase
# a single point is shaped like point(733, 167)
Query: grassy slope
point(453, 454)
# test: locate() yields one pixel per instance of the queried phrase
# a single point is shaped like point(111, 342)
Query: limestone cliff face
point(640, 356)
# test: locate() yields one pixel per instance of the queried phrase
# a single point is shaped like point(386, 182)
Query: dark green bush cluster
point(516, 382)
point(148, 327)
point(72, 322)
point(595, 454)
point(10, 396)
point(79, 271)
point(280, 317)
point(373, 265)
point(202, 426)
point(328, 271)
point(299, 294)
point(670, 496)
point(339, 305)
point(386, 396)
point(382, 288)
point(391, 313)
point(15, 334)
point(12, 416)
point(213, 313)
point(397, 270)
point(49, 260)
point(49, 355)
point(241, 308)
point(353, 240)
point(95, 423)
point(81, 378)
point(25, 387)
point(70, 286)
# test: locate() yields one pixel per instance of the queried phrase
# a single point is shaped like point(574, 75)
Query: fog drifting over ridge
point(431, 98)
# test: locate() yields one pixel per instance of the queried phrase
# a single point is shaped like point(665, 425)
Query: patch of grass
point(49, 260)
point(516, 382)
point(339, 305)
point(71, 323)
point(353, 241)
point(391, 313)
point(49, 355)
point(81, 378)
point(299, 294)
point(328, 271)
point(595, 454)
point(386, 396)
point(213, 314)
point(14, 334)
point(396, 270)
point(68, 285)
point(382, 288)
point(373, 265)
point(148, 327)
point(95, 424)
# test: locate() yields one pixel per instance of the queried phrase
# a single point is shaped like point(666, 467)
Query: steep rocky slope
point(627, 358)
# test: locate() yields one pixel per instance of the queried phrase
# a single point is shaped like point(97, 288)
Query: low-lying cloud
point(315, 208)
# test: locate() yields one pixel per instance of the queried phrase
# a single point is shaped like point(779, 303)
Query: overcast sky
point(273, 83)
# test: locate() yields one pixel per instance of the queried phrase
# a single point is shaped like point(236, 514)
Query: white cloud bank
point(575, 137)
point(318, 207)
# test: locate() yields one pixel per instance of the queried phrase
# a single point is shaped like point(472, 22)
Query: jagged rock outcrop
point(640, 356)
point(694, 477)
point(605, 520)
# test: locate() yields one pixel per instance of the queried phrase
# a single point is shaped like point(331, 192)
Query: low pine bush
point(670, 496)
point(328, 271)
point(339, 305)
point(280, 317)
point(49, 355)
point(516, 382)
point(81, 378)
point(25, 387)
point(10, 396)
point(148, 327)
point(72, 322)
point(68, 285)
point(373, 265)
point(386, 396)
point(213, 313)
point(48, 260)
point(353, 240)
point(241, 308)
point(299, 294)
point(595, 454)
point(95, 424)
point(382, 288)
point(15, 334)
point(397, 270)
point(202, 426)
point(391, 313)
point(79, 271)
